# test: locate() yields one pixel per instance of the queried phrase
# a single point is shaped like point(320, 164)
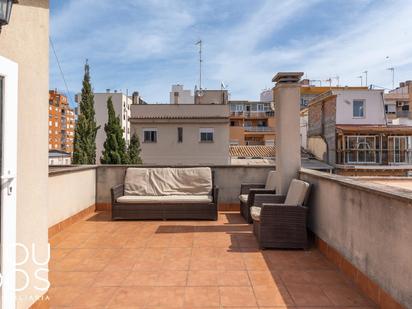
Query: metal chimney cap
point(287, 77)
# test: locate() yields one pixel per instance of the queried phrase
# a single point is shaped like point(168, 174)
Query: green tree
point(115, 146)
point(86, 128)
point(133, 151)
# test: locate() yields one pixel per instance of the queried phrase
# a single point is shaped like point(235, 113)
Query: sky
point(148, 45)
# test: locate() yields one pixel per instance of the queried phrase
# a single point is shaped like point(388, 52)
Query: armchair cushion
point(297, 192)
point(255, 213)
point(243, 198)
point(271, 181)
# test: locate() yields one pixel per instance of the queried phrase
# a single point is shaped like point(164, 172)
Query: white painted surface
point(9, 70)
point(69, 194)
point(184, 96)
point(374, 107)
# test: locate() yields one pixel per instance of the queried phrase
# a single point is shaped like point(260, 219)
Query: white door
point(8, 164)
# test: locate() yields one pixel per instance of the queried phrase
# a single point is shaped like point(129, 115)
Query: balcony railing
point(403, 114)
point(375, 156)
point(258, 129)
point(253, 114)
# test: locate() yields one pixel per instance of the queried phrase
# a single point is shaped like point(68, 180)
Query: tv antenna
point(393, 76)
point(200, 63)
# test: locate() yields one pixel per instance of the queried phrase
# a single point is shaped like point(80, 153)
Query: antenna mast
point(200, 63)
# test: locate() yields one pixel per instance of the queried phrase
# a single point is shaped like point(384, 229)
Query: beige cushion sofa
point(166, 193)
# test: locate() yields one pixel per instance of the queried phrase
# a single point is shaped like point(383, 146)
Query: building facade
point(121, 104)
point(61, 123)
point(251, 123)
point(58, 157)
point(398, 104)
point(182, 133)
point(348, 129)
point(178, 95)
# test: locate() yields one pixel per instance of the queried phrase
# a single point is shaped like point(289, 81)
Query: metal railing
point(253, 114)
point(258, 129)
point(374, 156)
point(404, 114)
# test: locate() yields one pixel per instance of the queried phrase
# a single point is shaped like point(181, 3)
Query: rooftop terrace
point(358, 258)
point(188, 264)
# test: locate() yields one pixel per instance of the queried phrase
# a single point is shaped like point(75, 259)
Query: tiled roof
point(252, 151)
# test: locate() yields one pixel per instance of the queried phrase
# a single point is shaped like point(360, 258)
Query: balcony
point(403, 114)
point(259, 129)
point(100, 263)
point(252, 114)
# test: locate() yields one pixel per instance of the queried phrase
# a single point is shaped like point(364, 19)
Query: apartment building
point(398, 104)
point(348, 129)
point(178, 95)
point(252, 123)
point(182, 133)
point(61, 123)
point(121, 104)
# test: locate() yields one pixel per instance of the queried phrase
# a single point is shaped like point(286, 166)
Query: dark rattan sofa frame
point(280, 225)
point(164, 211)
point(251, 189)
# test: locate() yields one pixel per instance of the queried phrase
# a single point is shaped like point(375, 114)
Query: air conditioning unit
point(400, 104)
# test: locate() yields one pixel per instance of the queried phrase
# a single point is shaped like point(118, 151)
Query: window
point(206, 135)
point(390, 108)
point(400, 149)
point(180, 135)
point(150, 135)
point(260, 107)
point(239, 108)
point(358, 108)
point(361, 149)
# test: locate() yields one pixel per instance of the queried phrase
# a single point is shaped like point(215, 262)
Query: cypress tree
point(86, 128)
point(115, 146)
point(133, 152)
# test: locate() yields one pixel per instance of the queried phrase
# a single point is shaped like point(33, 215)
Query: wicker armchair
point(279, 221)
point(248, 192)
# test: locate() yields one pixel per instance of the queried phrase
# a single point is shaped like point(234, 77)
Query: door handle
point(6, 180)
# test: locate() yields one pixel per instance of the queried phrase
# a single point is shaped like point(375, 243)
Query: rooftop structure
point(178, 95)
point(182, 133)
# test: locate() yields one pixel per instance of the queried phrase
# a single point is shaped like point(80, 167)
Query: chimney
point(286, 94)
point(135, 97)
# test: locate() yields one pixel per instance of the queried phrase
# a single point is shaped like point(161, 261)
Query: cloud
point(148, 45)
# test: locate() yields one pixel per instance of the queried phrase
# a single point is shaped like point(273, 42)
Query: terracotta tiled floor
point(97, 263)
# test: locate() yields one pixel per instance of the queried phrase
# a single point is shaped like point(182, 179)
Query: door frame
point(9, 72)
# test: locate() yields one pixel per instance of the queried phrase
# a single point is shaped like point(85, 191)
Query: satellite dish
point(200, 93)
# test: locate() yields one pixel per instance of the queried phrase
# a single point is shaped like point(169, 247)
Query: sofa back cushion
point(271, 181)
point(168, 181)
point(297, 192)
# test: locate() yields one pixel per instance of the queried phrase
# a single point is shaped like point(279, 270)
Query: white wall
point(70, 193)
point(168, 151)
point(304, 123)
point(185, 96)
point(374, 107)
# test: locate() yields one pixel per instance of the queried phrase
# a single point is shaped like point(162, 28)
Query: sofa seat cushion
point(255, 213)
point(168, 199)
point(243, 198)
